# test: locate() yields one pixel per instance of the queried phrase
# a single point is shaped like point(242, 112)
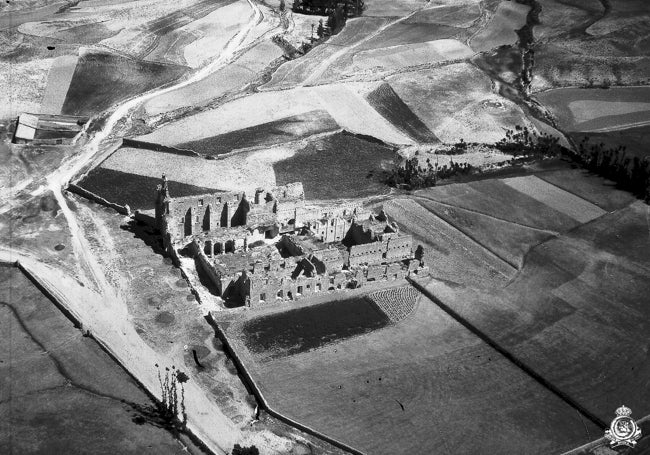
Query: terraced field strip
point(556, 198)
point(58, 81)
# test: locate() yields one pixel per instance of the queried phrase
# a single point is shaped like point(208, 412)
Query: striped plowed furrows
point(556, 198)
point(396, 303)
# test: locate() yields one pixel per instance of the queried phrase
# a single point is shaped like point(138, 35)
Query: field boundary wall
point(253, 387)
point(126, 142)
point(74, 188)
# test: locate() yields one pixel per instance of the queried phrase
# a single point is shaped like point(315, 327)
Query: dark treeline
point(630, 173)
point(410, 175)
point(337, 12)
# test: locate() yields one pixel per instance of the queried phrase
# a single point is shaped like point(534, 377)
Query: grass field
point(80, 401)
point(577, 313)
point(592, 188)
point(390, 387)
point(598, 110)
point(336, 166)
point(494, 198)
point(271, 133)
point(573, 206)
point(100, 80)
point(449, 253)
point(507, 240)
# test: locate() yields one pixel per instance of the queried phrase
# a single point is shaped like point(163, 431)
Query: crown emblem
point(623, 430)
point(624, 411)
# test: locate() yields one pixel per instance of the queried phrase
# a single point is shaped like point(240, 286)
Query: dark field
point(303, 329)
point(135, 190)
point(577, 313)
point(336, 166)
point(392, 108)
point(425, 385)
point(635, 140)
point(265, 134)
point(59, 392)
point(101, 80)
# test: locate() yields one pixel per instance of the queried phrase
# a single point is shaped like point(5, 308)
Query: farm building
point(47, 129)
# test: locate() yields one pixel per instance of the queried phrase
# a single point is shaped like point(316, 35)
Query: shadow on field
point(148, 234)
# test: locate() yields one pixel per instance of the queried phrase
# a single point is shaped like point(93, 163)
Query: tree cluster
point(630, 173)
point(410, 175)
point(524, 142)
point(337, 12)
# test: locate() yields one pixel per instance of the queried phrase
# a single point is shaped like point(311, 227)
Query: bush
point(239, 450)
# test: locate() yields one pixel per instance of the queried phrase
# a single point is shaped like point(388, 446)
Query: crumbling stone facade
point(272, 246)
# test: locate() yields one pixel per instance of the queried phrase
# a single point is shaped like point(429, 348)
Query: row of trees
point(630, 173)
point(337, 12)
point(410, 175)
point(351, 8)
point(524, 142)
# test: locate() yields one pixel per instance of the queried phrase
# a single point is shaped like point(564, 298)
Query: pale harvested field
point(458, 103)
point(411, 55)
point(409, 387)
point(556, 198)
point(241, 172)
point(31, 77)
point(230, 78)
point(350, 110)
point(217, 29)
point(392, 8)
point(452, 14)
point(58, 81)
point(244, 112)
point(509, 16)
